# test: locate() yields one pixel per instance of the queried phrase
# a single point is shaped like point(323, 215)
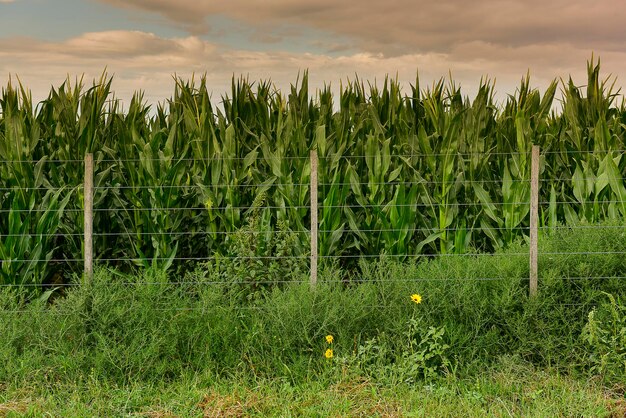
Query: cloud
point(125, 47)
point(398, 27)
point(499, 38)
point(189, 14)
point(147, 61)
point(139, 60)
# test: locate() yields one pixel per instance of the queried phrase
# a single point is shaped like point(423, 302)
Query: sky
point(144, 43)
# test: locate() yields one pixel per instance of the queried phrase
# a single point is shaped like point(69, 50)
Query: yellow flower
point(209, 203)
point(416, 298)
point(330, 339)
point(328, 354)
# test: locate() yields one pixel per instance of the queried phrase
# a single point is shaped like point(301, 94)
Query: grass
point(512, 388)
point(153, 345)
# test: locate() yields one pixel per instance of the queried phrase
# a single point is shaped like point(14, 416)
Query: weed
point(605, 338)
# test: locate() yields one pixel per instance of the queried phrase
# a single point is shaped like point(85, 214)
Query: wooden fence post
point(313, 218)
point(534, 218)
point(88, 217)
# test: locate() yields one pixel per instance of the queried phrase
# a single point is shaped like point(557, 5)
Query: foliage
point(151, 327)
point(421, 355)
point(425, 172)
point(605, 336)
point(258, 256)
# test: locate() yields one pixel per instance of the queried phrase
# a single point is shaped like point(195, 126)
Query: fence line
point(181, 233)
point(304, 257)
point(475, 154)
point(326, 281)
point(271, 184)
point(304, 231)
point(299, 207)
point(417, 153)
point(313, 207)
point(266, 308)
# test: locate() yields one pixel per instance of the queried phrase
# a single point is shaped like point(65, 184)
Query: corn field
point(422, 171)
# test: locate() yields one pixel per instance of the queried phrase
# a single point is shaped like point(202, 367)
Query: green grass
point(152, 344)
point(511, 388)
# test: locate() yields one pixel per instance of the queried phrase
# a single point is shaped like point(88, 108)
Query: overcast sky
point(143, 42)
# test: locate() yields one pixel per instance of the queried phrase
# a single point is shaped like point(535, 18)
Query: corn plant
point(31, 208)
point(426, 171)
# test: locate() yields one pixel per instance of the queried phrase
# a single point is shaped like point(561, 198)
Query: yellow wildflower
point(209, 203)
point(328, 354)
point(416, 298)
point(330, 339)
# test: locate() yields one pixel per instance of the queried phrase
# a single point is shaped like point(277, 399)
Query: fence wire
point(353, 253)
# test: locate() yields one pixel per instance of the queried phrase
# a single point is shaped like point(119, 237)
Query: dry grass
point(235, 404)
point(358, 398)
point(364, 400)
point(14, 407)
point(616, 401)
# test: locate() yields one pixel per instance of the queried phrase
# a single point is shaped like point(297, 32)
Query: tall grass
point(146, 328)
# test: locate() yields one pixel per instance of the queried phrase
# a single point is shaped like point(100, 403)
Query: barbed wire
point(236, 282)
point(308, 232)
point(308, 256)
point(208, 186)
point(53, 189)
point(382, 205)
point(420, 182)
point(154, 159)
point(570, 180)
point(418, 154)
point(161, 233)
point(165, 308)
point(524, 254)
point(43, 160)
point(468, 155)
point(260, 156)
point(591, 151)
point(202, 159)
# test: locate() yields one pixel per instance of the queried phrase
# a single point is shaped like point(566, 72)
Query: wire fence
point(34, 241)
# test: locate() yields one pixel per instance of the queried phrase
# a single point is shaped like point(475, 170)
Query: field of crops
point(403, 170)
